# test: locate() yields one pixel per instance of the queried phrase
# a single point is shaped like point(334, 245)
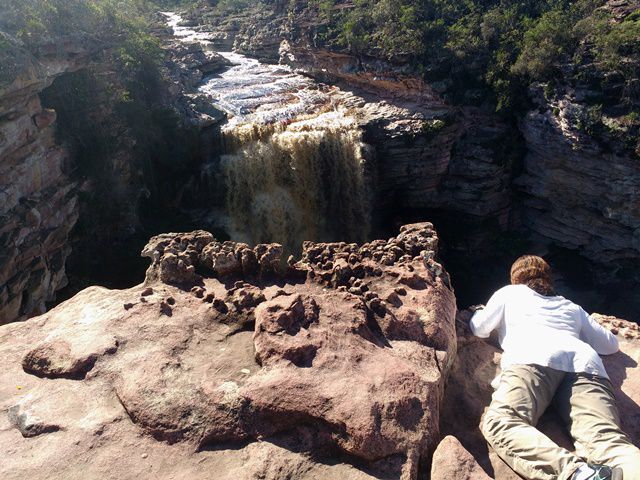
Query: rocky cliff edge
point(229, 360)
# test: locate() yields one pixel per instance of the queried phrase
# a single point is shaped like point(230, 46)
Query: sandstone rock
point(57, 358)
point(292, 378)
point(28, 424)
point(452, 461)
point(222, 259)
point(37, 207)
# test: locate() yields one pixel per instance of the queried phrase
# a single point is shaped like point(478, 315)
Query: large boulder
point(229, 363)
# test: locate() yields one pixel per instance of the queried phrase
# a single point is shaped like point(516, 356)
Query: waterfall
point(297, 180)
point(294, 163)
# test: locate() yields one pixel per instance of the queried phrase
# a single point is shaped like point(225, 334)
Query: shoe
point(593, 471)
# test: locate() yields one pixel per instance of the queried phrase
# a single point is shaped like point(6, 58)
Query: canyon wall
point(543, 176)
point(75, 178)
point(576, 191)
point(38, 204)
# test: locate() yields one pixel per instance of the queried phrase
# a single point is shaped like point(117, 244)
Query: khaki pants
point(585, 402)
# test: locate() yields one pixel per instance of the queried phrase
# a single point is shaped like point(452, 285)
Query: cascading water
point(294, 167)
point(303, 180)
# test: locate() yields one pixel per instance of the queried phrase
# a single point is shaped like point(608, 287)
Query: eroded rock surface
point(329, 367)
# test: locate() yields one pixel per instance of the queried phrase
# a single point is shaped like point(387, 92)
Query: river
point(294, 165)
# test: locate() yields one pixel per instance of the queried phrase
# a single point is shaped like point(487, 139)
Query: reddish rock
point(59, 358)
point(451, 461)
point(287, 368)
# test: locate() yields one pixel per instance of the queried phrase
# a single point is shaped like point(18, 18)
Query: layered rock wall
point(577, 192)
point(45, 189)
point(38, 205)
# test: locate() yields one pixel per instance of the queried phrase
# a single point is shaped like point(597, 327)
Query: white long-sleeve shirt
point(547, 331)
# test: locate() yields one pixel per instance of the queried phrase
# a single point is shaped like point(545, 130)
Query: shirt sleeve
point(602, 340)
point(489, 318)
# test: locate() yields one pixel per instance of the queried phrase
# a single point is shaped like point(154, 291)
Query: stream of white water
point(294, 161)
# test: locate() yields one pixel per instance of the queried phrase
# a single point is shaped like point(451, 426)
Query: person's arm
point(486, 320)
point(602, 340)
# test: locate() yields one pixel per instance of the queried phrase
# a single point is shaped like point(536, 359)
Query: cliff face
point(80, 165)
point(38, 205)
point(578, 192)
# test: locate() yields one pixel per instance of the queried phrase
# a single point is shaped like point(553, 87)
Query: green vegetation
point(496, 46)
point(614, 41)
point(118, 27)
point(230, 6)
point(433, 127)
point(35, 21)
point(115, 109)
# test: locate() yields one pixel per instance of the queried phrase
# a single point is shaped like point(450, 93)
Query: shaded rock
point(177, 257)
point(247, 298)
point(286, 314)
point(28, 424)
point(165, 308)
point(580, 191)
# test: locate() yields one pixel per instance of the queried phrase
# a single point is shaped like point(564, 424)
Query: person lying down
point(551, 355)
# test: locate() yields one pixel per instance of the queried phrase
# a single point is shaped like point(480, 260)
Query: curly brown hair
point(534, 272)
